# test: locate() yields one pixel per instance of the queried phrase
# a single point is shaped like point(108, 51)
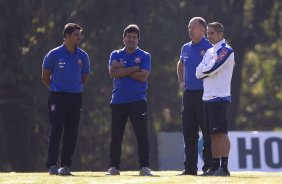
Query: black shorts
point(216, 117)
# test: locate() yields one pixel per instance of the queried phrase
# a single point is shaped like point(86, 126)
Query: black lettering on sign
point(269, 152)
point(243, 152)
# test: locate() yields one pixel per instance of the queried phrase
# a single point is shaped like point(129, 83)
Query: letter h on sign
point(253, 151)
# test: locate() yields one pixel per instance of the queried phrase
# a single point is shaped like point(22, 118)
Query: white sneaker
point(145, 171)
point(112, 171)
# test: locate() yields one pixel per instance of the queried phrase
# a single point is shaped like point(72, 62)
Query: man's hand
point(46, 77)
point(117, 70)
point(182, 85)
point(116, 64)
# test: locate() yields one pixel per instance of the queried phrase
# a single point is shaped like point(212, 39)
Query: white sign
point(250, 151)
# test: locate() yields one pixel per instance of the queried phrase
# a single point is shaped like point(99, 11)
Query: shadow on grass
point(83, 175)
point(247, 176)
point(136, 175)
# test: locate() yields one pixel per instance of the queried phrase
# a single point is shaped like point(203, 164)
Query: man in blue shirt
point(192, 113)
point(129, 67)
point(65, 71)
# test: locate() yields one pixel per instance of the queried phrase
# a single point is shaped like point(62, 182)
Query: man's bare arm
point(180, 74)
point(116, 70)
point(85, 78)
point(140, 75)
point(46, 77)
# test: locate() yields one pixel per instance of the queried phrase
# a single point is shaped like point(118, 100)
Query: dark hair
point(132, 28)
point(70, 28)
point(218, 27)
point(201, 21)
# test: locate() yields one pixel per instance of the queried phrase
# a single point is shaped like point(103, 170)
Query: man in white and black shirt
point(216, 71)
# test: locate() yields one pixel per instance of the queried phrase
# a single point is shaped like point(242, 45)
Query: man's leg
point(57, 119)
point(225, 149)
point(207, 153)
point(219, 137)
point(71, 128)
point(119, 118)
point(138, 117)
point(225, 145)
point(190, 134)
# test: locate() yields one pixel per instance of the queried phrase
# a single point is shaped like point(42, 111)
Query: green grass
point(160, 177)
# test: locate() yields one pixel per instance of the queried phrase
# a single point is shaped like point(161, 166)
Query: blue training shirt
point(66, 69)
point(127, 89)
point(192, 55)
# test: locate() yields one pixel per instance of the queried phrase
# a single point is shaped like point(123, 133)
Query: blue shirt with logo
point(127, 89)
point(66, 69)
point(192, 55)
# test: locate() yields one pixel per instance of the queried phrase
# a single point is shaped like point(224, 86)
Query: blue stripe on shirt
point(220, 99)
point(223, 54)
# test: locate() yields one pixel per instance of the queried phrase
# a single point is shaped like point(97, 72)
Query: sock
point(224, 163)
point(215, 163)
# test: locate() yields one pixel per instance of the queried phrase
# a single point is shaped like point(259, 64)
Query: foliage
point(260, 107)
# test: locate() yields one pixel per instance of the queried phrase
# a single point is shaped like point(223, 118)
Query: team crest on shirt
point(79, 62)
point(137, 60)
point(202, 53)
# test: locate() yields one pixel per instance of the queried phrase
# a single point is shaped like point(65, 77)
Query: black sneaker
point(185, 172)
point(209, 172)
point(112, 171)
point(145, 171)
point(221, 172)
point(64, 171)
point(53, 170)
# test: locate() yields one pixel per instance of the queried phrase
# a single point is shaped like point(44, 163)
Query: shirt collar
point(124, 50)
point(202, 39)
point(219, 44)
point(66, 50)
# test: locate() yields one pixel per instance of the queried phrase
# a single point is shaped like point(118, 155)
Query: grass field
point(160, 177)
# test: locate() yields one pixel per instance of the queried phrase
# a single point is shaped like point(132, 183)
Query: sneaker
point(53, 170)
point(206, 167)
point(145, 171)
point(221, 172)
point(185, 172)
point(64, 171)
point(112, 171)
point(209, 172)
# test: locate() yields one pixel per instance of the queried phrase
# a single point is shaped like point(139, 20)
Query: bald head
point(196, 29)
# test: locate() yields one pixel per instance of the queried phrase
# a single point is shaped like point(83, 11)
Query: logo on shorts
point(214, 129)
point(53, 107)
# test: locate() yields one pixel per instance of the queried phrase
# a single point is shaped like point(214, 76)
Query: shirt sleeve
point(146, 63)
point(210, 66)
point(182, 55)
point(113, 56)
point(48, 61)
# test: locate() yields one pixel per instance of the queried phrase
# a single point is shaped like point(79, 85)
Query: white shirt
point(216, 71)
